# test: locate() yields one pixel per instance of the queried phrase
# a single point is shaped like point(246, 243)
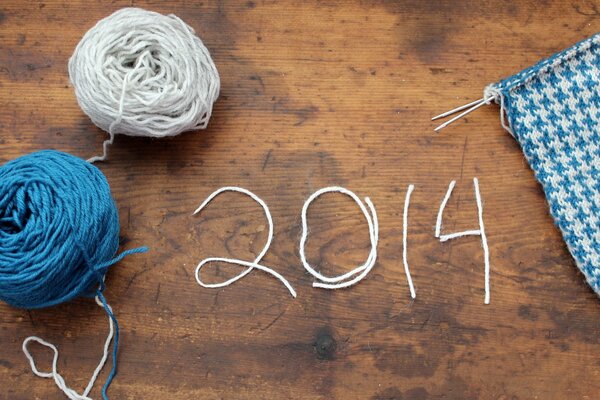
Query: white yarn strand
point(472, 232)
point(250, 265)
point(498, 97)
point(358, 273)
point(141, 73)
point(58, 378)
point(438, 223)
point(413, 294)
point(486, 250)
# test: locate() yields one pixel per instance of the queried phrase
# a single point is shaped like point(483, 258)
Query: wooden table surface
point(315, 94)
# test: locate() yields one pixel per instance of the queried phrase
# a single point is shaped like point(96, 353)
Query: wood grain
point(316, 93)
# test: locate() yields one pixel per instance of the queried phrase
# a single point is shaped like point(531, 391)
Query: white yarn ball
point(141, 73)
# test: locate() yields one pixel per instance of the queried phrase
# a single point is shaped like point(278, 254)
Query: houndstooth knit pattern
point(553, 110)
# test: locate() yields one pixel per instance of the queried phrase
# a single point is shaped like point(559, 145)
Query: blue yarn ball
point(59, 229)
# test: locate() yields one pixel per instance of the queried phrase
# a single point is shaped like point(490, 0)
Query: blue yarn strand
point(105, 265)
point(102, 267)
point(113, 370)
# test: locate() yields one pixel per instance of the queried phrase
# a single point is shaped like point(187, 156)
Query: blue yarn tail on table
point(553, 109)
point(100, 268)
point(59, 234)
point(113, 370)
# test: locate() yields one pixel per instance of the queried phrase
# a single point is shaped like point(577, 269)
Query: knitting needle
point(477, 103)
point(457, 109)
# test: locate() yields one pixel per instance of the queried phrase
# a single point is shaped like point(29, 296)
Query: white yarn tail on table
point(472, 232)
point(249, 265)
point(357, 274)
point(54, 374)
point(141, 73)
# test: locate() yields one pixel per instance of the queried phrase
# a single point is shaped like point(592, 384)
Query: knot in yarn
point(59, 229)
point(141, 73)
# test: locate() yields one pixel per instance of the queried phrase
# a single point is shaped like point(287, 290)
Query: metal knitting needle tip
point(478, 104)
point(457, 109)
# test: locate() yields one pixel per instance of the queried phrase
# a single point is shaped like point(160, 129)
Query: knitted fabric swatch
point(553, 110)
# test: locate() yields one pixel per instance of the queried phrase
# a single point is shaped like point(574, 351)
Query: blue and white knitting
point(553, 110)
